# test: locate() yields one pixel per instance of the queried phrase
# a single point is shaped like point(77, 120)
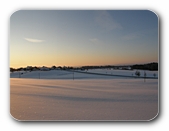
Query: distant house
point(128, 68)
point(53, 68)
point(29, 68)
point(44, 68)
point(120, 68)
point(35, 68)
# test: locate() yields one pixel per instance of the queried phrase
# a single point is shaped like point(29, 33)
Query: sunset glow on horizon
point(83, 37)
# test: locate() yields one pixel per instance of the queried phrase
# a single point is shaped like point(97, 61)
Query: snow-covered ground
point(56, 96)
point(62, 74)
point(99, 99)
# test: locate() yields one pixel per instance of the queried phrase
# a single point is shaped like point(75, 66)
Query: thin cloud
point(130, 36)
point(34, 40)
point(94, 40)
point(106, 21)
point(134, 35)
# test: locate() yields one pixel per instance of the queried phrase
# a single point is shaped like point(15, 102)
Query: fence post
point(145, 76)
point(73, 74)
point(39, 75)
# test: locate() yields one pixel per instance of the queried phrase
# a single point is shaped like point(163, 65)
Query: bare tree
point(145, 75)
point(137, 73)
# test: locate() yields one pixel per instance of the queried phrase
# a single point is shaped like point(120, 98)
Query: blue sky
point(83, 37)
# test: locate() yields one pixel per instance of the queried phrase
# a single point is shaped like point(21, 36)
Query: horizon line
point(90, 65)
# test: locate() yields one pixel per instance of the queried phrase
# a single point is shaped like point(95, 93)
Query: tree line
point(150, 66)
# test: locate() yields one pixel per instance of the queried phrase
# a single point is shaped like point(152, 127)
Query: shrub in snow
point(137, 73)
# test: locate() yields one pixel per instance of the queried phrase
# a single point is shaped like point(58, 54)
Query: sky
point(83, 37)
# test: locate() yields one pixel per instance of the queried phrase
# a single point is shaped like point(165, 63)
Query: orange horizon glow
point(49, 60)
point(78, 64)
point(76, 60)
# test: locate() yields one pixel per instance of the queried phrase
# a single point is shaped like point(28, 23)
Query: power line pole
point(145, 75)
point(73, 75)
point(39, 75)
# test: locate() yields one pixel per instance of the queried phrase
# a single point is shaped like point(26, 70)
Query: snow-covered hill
point(64, 74)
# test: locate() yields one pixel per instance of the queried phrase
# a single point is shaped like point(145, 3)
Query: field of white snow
point(63, 74)
point(54, 95)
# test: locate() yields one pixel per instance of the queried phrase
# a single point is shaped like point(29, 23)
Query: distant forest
point(150, 66)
